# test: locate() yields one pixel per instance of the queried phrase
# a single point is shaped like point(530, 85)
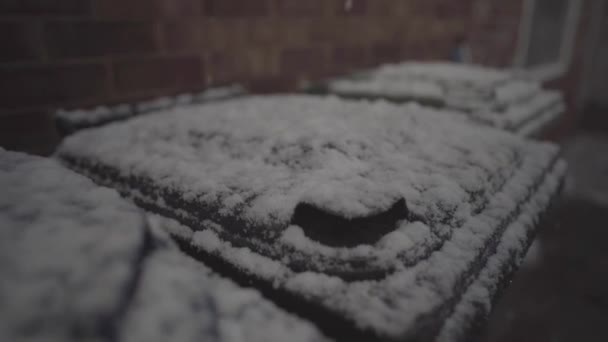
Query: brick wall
point(74, 53)
point(70, 53)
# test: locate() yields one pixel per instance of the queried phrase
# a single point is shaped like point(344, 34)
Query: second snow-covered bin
point(372, 220)
point(490, 96)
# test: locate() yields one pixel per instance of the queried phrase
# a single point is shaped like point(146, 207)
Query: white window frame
point(549, 71)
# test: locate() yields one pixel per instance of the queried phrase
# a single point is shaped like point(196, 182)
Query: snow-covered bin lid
point(383, 214)
point(495, 97)
point(79, 263)
point(70, 121)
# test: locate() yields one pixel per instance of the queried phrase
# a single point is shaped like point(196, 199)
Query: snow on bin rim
point(496, 88)
point(73, 120)
point(391, 88)
point(261, 156)
point(475, 75)
point(488, 95)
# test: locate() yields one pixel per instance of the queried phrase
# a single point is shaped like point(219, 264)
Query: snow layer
point(528, 118)
point(491, 96)
point(68, 249)
point(534, 127)
point(475, 78)
point(258, 157)
point(96, 115)
point(477, 302)
point(72, 253)
point(385, 303)
point(262, 156)
point(391, 88)
point(181, 300)
point(77, 119)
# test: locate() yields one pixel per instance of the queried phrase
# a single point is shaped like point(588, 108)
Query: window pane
point(548, 25)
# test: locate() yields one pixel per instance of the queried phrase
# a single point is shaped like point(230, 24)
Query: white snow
point(494, 97)
point(160, 103)
point(352, 158)
point(519, 113)
point(478, 298)
point(392, 304)
point(534, 127)
point(78, 118)
point(261, 156)
point(392, 88)
point(67, 248)
point(97, 114)
point(477, 77)
point(181, 300)
point(67, 256)
point(527, 118)
point(347, 157)
point(516, 91)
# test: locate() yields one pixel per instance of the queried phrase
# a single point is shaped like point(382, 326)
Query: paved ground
point(561, 292)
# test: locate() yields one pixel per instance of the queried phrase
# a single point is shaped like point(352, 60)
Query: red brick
point(302, 8)
point(241, 64)
point(50, 85)
point(325, 30)
point(272, 84)
point(297, 61)
point(294, 32)
point(89, 39)
point(386, 8)
point(449, 9)
point(262, 61)
point(341, 30)
point(387, 52)
point(129, 9)
point(350, 57)
point(264, 31)
point(351, 7)
point(121, 9)
point(45, 7)
point(225, 34)
point(20, 42)
point(31, 132)
point(425, 50)
point(182, 35)
point(159, 73)
point(179, 8)
point(224, 68)
point(236, 8)
point(508, 8)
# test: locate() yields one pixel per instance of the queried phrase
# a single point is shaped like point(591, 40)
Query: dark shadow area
point(563, 295)
point(595, 118)
point(336, 231)
point(561, 291)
